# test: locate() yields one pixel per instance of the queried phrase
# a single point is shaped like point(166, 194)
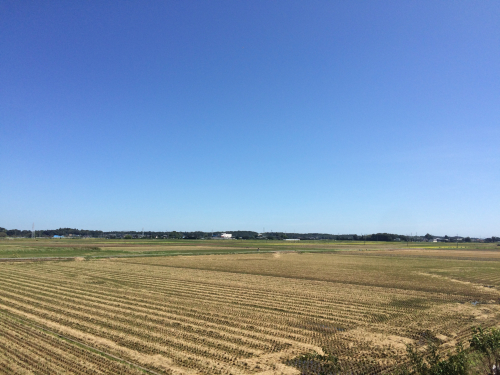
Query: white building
point(226, 236)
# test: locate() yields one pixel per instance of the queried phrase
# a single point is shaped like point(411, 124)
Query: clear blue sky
point(324, 116)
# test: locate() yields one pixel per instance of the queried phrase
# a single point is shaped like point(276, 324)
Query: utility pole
point(33, 231)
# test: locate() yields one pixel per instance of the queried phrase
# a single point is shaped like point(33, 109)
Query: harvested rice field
point(259, 313)
point(67, 248)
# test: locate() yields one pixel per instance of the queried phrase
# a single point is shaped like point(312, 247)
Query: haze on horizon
point(332, 117)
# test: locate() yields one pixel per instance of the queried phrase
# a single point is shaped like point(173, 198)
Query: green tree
point(175, 234)
point(430, 362)
point(428, 236)
point(487, 342)
point(128, 237)
point(3, 234)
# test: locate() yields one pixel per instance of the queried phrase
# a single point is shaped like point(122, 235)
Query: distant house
point(292, 239)
point(438, 239)
point(223, 236)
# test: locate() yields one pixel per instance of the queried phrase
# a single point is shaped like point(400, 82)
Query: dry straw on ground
point(240, 314)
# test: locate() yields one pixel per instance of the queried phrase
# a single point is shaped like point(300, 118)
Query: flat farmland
point(256, 313)
point(99, 248)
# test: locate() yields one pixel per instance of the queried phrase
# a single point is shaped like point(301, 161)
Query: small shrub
point(430, 362)
point(487, 342)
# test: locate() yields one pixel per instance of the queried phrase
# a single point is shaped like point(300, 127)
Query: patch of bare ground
point(379, 339)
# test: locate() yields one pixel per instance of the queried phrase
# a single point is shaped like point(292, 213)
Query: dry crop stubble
point(27, 349)
point(246, 314)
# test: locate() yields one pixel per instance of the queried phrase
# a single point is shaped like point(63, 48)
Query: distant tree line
point(238, 234)
point(492, 239)
point(52, 232)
